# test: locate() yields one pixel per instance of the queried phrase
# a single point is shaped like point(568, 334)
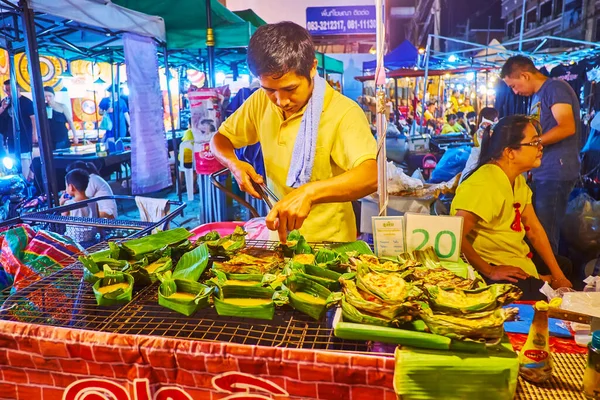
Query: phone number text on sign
point(340, 26)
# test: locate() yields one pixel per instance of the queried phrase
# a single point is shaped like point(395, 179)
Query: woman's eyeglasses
point(537, 142)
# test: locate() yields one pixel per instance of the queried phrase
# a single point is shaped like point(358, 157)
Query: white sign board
point(443, 233)
point(388, 236)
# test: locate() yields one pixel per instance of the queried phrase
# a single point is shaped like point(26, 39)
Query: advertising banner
point(345, 20)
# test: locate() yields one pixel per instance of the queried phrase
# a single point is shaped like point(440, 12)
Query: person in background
point(556, 105)
point(495, 204)
point(58, 118)
point(97, 187)
point(466, 106)
point(451, 125)
point(462, 121)
point(472, 122)
point(454, 103)
point(28, 132)
point(487, 117)
point(108, 105)
point(430, 111)
point(76, 182)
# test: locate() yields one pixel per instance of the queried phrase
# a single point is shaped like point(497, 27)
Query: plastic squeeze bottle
point(591, 376)
point(535, 360)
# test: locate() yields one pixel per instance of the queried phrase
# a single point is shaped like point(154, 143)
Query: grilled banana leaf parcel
point(295, 244)
point(331, 260)
point(458, 301)
point(439, 276)
point(389, 287)
point(251, 260)
point(373, 305)
point(480, 326)
point(381, 265)
point(228, 245)
point(427, 257)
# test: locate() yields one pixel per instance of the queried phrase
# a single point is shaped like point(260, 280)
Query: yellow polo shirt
point(488, 194)
point(344, 141)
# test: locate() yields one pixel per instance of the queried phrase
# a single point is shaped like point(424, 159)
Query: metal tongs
point(266, 194)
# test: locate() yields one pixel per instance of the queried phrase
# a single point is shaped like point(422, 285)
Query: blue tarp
point(403, 56)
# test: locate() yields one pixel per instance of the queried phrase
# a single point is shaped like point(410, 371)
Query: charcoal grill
point(76, 309)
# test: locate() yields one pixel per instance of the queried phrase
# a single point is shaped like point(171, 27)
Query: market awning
point(403, 56)
point(250, 16)
point(185, 22)
point(411, 73)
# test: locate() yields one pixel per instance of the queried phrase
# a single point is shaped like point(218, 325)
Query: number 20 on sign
point(443, 233)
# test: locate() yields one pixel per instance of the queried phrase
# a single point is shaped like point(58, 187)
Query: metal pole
point(381, 123)
point(173, 137)
point(210, 45)
point(116, 124)
point(14, 96)
point(425, 82)
point(39, 105)
point(522, 25)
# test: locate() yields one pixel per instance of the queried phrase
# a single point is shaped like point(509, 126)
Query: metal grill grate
point(64, 299)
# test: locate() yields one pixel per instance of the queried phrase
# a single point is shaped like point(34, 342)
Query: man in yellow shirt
point(343, 166)
point(466, 106)
point(452, 126)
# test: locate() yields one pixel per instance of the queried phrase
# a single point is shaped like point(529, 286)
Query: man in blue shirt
point(108, 105)
point(556, 106)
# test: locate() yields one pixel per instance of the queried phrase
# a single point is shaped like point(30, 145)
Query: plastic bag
point(581, 226)
point(398, 181)
point(452, 162)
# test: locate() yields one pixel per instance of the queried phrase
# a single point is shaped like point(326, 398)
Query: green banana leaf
point(146, 273)
point(92, 270)
point(374, 306)
point(295, 244)
point(458, 301)
point(353, 314)
point(351, 249)
point(116, 288)
point(329, 259)
point(325, 277)
point(245, 294)
point(228, 245)
point(157, 241)
point(209, 237)
point(169, 287)
point(427, 257)
point(309, 297)
point(192, 264)
point(439, 276)
point(481, 326)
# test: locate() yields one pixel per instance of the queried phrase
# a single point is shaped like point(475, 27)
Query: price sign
point(443, 233)
point(388, 236)
point(341, 20)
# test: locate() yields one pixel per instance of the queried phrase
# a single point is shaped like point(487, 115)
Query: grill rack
point(64, 299)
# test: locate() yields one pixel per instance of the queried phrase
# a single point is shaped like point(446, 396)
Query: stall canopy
point(403, 56)
point(411, 73)
point(250, 16)
point(77, 29)
point(185, 21)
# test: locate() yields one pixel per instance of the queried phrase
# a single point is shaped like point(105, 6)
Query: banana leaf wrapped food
point(146, 273)
point(94, 269)
point(136, 248)
point(251, 260)
point(308, 297)
point(441, 277)
point(115, 288)
point(221, 278)
point(371, 304)
point(331, 260)
point(185, 297)
point(192, 264)
point(245, 301)
point(295, 244)
point(228, 245)
point(480, 326)
point(459, 301)
point(304, 258)
point(389, 287)
point(376, 264)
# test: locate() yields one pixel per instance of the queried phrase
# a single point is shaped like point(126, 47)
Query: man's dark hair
point(276, 49)
point(6, 82)
point(460, 114)
point(471, 114)
point(450, 117)
point(516, 64)
point(431, 103)
point(79, 178)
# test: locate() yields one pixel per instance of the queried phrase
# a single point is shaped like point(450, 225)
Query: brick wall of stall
point(39, 362)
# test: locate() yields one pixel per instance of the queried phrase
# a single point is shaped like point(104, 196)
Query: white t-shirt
point(80, 233)
point(98, 187)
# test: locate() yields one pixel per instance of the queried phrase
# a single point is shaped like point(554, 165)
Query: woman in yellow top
point(466, 106)
point(452, 125)
point(495, 203)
